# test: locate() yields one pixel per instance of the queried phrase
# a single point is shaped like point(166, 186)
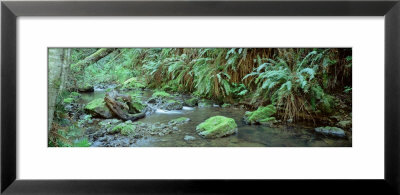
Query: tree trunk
point(55, 63)
point(101, 53)
point(65, 70)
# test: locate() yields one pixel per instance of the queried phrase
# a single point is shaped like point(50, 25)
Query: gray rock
point(192, 102)
point(331, 131)
point(178, 121)
point(189, 138)
point(205, 103)
point(172, 105)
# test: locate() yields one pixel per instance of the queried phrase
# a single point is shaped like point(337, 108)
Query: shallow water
point(247, 136)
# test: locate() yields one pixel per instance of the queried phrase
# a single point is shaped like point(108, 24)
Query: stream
point(295, 135)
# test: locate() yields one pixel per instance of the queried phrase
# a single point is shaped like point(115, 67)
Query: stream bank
point(157, 130)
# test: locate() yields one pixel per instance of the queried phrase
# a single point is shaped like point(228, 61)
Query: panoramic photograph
point(199, 97)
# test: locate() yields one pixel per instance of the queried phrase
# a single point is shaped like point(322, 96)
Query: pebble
point(189, 138)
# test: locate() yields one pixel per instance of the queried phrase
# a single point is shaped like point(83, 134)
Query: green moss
point(75, 95)
point(217, 126)
point(68, 100)
point(205, 103)
point(172, 105)
point(99, 102)
point(344, 124)
point(161, 94)
point(262, 114)
point(127, 128)
point(98, 108)
point(192, 102)
point(133, 83)
point(268, 119)
point(327, 104)
point(226, 105)
point(136, 107)
point(170, 87)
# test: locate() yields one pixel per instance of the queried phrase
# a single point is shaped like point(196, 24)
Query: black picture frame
point(10, 10)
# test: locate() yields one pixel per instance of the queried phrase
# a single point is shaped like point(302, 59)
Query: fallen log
point(120, 108)
point(96, 56)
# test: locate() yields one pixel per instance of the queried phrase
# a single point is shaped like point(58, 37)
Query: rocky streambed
point(176, 120)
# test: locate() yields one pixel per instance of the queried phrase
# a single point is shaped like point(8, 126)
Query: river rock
point(98, 108)
point(172, 105)
point(189, 138)
point(192, 102)
point(178, 121)
point(217, 126)
point(331, 131)
point(205, 103)
point(109, 123)
point(152, 100)
point(86, 88)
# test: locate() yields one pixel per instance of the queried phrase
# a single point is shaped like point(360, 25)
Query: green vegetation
point(192, 102)
point(261, 115)
point(217, 126)
point(161, 94)
point(127, 128)
point(98, 108)
point(82, 143)
point(68, 100)
point(133, 83)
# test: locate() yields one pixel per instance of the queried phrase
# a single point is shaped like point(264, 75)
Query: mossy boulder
point(85, 88)
point(205, 103)
point(217, 126)
point(331, 131)
point(263, 115)
point(172, 105)
point(126, 128)
point(98, 108)
point(192, 102)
